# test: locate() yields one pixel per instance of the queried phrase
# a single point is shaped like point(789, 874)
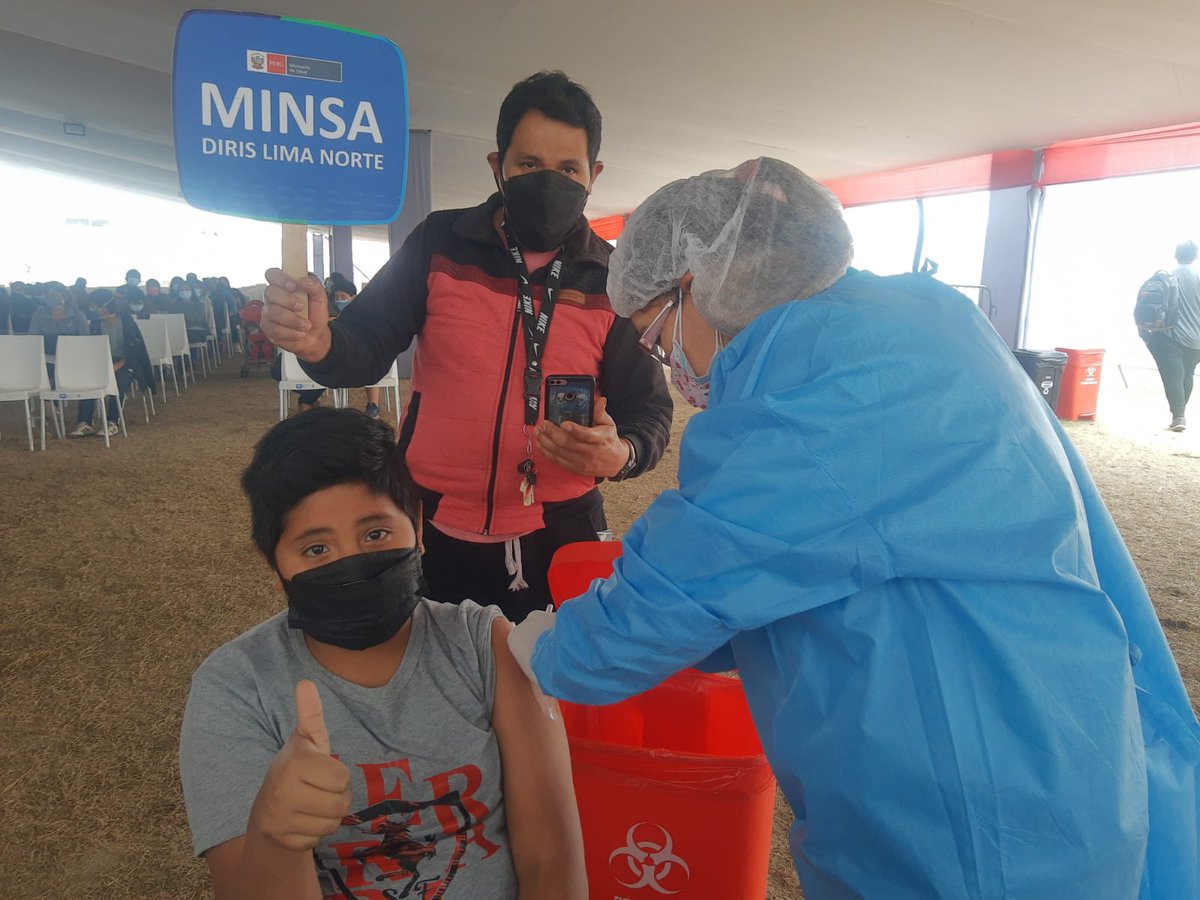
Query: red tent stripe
point(1156, 150)
point(988, 171)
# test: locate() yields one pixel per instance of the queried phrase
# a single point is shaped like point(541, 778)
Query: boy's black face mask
point(358, 601)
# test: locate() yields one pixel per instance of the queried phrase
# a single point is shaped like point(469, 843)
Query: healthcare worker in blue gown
point(954, 667)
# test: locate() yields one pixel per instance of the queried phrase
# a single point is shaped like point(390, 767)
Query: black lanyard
point(535, 326)
point(536, 329)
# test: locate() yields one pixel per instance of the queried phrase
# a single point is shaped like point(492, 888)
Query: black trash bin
point(1045, 368)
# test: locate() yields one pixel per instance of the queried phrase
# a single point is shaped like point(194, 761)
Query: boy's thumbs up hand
point(310, 717)
point(306, 792)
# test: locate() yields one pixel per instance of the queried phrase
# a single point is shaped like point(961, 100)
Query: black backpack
point(1157, 300)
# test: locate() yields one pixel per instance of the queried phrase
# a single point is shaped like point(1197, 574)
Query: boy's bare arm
point(543, 818)
point(303, 797)
point(246, 868)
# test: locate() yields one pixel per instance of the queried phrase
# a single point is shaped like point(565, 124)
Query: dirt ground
point(122, 569)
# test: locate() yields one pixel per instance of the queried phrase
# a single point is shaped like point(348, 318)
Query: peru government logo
point(648, 860)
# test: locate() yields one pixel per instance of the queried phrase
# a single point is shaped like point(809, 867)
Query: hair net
point(752, 237)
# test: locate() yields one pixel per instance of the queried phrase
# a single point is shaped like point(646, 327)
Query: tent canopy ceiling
point(836, 88)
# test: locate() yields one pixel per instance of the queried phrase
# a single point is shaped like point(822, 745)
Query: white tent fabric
point(835, 89)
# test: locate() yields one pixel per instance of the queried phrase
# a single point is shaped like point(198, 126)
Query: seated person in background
point(23, 307)
point(239, 299)
point(368, 738)
point(341, 291)
point(131, 361)
point(57, 315)
point(191, 304)
point(79, 292)
point(308, 399)
point(168, 302)
point(224, 309)
point(150, 305)
point(129, 291)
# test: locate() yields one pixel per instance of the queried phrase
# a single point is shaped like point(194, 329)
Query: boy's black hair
point(556, 97)
point(1185, 253)
point(319, 449)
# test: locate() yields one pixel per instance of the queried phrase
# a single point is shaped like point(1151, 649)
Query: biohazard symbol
point(650, 863)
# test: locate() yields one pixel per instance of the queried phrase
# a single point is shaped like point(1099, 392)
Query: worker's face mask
point(131, 281)
point(542, 208)
point(185, 295)
point(136, 307)
point(693, 387)
point(152, 292)
point(358, 601)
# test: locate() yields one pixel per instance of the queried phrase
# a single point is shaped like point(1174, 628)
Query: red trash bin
point(675, 795)
point(1080, 391)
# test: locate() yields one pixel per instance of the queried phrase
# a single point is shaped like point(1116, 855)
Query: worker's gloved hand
point(523, 638)
point(283, 319)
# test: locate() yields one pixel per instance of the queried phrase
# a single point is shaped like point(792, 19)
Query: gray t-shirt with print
point(427, 818)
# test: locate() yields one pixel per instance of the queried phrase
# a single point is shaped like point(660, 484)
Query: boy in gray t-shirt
point(368, 744)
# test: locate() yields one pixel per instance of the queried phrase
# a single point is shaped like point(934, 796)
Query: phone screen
point(570, 398)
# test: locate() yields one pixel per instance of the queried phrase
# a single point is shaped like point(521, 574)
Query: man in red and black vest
point(501, 295)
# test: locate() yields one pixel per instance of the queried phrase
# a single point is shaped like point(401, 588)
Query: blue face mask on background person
point(185, 295)
point(693, 387)
point(357, 601)
point(341, 304)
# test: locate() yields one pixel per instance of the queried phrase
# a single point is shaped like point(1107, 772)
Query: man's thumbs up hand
point(306, 792)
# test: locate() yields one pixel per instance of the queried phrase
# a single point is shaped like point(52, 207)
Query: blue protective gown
point(951, 660)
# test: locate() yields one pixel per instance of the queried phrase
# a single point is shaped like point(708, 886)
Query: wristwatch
point(627, 469)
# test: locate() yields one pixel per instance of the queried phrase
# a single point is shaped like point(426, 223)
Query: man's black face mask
point(543, 208)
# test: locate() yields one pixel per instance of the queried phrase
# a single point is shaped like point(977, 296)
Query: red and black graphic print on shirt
point(411, 849)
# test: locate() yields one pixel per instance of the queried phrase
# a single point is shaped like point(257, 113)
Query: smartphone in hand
point(570, 398)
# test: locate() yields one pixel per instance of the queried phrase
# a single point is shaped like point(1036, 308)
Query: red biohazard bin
point(1080, 391)
point(675, 795)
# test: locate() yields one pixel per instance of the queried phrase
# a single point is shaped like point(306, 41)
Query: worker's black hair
point(1185, 253)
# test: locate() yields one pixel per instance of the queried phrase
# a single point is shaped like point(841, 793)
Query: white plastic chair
point(202, 348)
point(84, 371)
point(391, 385)
point(293, 378)
point(212, 344)
point(177, 341)
point(154, 334)
point(146, 392)
point(225, 318)
point(23, 377)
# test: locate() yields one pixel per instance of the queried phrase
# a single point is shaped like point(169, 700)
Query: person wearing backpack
point(1175, 345)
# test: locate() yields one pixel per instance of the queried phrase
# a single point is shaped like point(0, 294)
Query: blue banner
point(289, 120)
